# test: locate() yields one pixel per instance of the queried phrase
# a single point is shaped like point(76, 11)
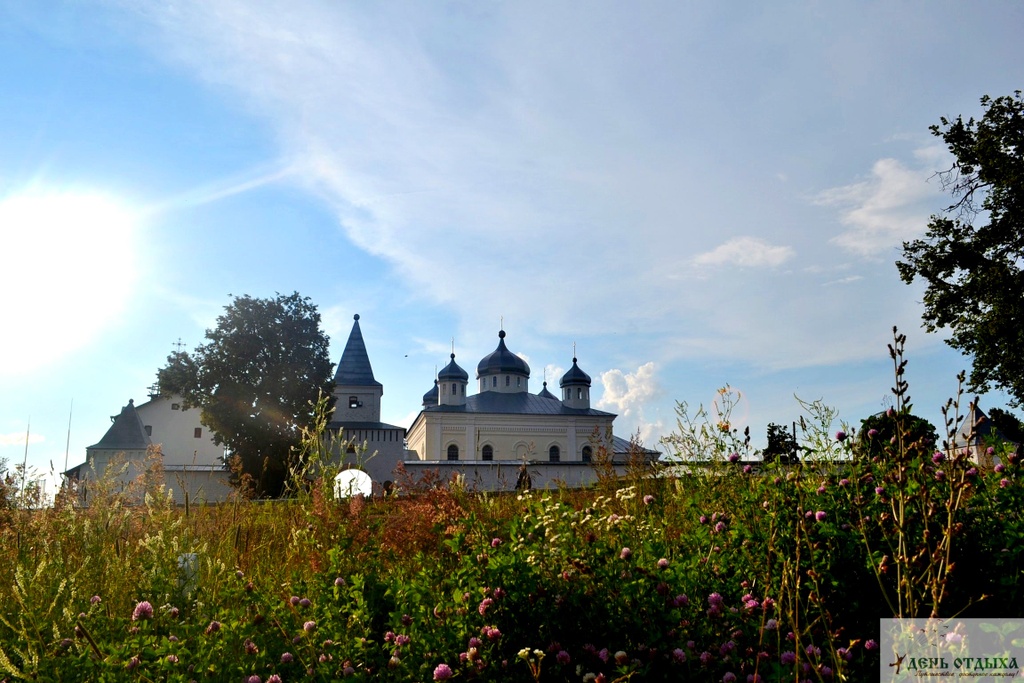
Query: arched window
point(455, 390)
point(554, 455)
point(453, 452)
point(588, 454)
point(488, 452)
point(579, 393)
point(494, 381)
point(508, 380)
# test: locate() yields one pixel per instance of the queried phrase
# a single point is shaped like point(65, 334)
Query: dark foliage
point(972, 256)
point(256, 379)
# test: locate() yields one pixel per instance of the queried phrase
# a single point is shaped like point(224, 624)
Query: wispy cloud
point(745, 252)
point(889, 206)
point(18, 439)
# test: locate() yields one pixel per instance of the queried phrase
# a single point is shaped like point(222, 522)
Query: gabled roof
point(976, 429)
point(127, 433)
point(354, 368)
point(517, 403)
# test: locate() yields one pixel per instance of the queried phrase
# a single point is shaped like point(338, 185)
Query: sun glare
point(68, 268)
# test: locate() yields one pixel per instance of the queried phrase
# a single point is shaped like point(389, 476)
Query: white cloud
point(18, 439)
point(745, 252)
point(890, 206)
point(629, 394)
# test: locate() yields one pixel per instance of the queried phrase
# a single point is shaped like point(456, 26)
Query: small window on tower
point(508, 380)
point(198, 433)
point(149, 430)
point(353, 402)
point(494, 381)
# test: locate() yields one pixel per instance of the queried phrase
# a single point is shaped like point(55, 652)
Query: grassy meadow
point(712, 570)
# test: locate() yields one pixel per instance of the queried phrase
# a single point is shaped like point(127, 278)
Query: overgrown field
point(717, 572)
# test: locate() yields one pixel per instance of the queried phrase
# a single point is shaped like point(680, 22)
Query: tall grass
point(716, 571)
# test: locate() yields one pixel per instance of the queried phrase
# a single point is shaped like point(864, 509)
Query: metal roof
point(518, 403)
point(127, 433)
point(502, 360)
point(352, 426)
point(575, 376)
point(430, 398)
point(354, 368)
point(544, 393)
point(452, 371)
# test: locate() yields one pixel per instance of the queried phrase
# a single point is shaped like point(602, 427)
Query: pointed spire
point(354, 368)
point(127, 433)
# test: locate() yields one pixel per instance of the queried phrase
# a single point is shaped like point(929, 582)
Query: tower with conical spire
point(575, 386)
point(452, 382)
point(357, 394)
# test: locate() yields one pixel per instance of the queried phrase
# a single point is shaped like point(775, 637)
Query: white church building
point(491, 439)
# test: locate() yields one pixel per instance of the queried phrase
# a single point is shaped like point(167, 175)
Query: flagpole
point(67, 445)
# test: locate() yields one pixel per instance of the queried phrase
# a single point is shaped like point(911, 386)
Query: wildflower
point(734, 457)
point(562, 657)
point(754, 678)
point(729, 677)
point(747, 469)
point(603, 655)
point(879, 490)
point(648, 499)
point(771, 624)
point(484, 604)
point(703, 519)
point(294, 600)
point(254, 679)
point(940, 476)
point(174, 613)
point(844, 482)
point(213, 627)
point(719, 527)
point(826, 672)
point(625, 554)
point(705, 657)
point(871, 645)
point(678, 656)
point(499, 593)
point(304, 602)
point(822, 489)
point(813, 651)
point(407, 620)
point(94, 600)
point(840, 435)
point(401, 639)
point(239, 574)
point(250, 647)
point(999, 468)
point(663, 563)
point(143, 611)
point(788, 658)
point(493, 634)
point(495, 542)
point(475, 642)
point(680, 601)
point(287, 658)
point(524, 653)
point(389, 636)
point(820, 515)
point(339, 581)
point(133, 663)
point(1003, 483)
point(621, 658)
point(973, 472)
point(274, 678)
point(309, 626)
point(872, 433)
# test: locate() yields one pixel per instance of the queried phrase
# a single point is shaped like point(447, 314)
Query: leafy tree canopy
point(878, 432)
point(256, 380)
point(972, 256)
point(1008, 424)
point(781, 446)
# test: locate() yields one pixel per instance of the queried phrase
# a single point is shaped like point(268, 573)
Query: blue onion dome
point(544, 393)
point(501, 360)
point(574, 376)
point(453, 373)
point(430, 398)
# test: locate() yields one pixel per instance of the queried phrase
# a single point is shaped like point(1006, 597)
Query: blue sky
point(695, 194)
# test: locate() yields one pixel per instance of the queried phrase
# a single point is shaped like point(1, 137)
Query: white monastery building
point(493, 439)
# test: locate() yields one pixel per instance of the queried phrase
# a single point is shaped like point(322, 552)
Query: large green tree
point(256, 380)
point(972, 256)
